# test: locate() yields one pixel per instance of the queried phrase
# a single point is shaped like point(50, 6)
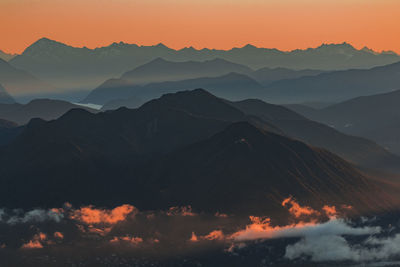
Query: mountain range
point(232, 86)
point(354, 149)
point(173, 151)
point(335, 86)
point(46, 109)
point(375, 117)
point(161, 70)
point(83, 68)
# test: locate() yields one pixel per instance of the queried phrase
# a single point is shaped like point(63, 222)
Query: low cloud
point(337, 248)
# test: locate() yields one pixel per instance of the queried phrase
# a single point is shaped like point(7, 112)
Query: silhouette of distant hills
point(83, 68)
point(376, 117)
point(161, 70)
point(45, 109)
point(173, 151)
point(232, 86)
point(336, 86)
point(266, 76)
point(19, 82)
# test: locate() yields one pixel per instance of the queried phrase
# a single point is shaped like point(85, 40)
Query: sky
point(220, 24)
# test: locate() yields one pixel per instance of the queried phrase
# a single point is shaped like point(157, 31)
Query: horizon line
point(203, 48)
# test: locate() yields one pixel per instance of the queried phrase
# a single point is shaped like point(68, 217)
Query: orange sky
point(284, 24)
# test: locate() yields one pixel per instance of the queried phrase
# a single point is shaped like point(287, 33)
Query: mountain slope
point(4, 96)
point(376, 117)
point(284, 121)
point(266, 76)
point(358, 150)
point(161, 70)
point(127, 156)
point(66, 158)
point(245, 170)
point(231, 86)
point(18, 82)
point(336, 86)
point(45, 109)
point(5, 56)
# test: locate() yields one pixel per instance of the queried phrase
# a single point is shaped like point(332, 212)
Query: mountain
point(83, 68)
point(4, 96)
point(335, 86)
point(18, 82)
point(231, 86)
point(82, 157)
point(130, 102)
point(5, 56)
point(283, 121)
point(376, 117)
point(266, 76)
point(161, 70)
point(161, 155)
point(45, 109)
point(247, 171)
point(357, 150)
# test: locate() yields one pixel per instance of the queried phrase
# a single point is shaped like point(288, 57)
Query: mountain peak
point(249, 46)
point(43, 45)
point(344, 45)
point(46, 42)
point(161, 45)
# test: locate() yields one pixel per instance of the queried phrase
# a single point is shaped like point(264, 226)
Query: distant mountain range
point(83, 68)
point(266, 76)
point(161, 70)
point(376, 117)
point(19, 82)
point(46, 109)
point(171, 152)
point(5, 56)
point(232, 86)
point(335, 86)
point(272, 85)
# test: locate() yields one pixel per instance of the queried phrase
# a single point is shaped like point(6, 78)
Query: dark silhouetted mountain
point(358, 150)
point(231, 86)
point(140, 156)
point(284, 121)
point(46, 109)
point(266, 76)
point(4, 96)
point(161, 70)
point(19, 82)
point(83, 68)
point(130, 102)
point(376, 117)
point(75, 156)
point(5, 56)
point(245, 170)
point(335, 86)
